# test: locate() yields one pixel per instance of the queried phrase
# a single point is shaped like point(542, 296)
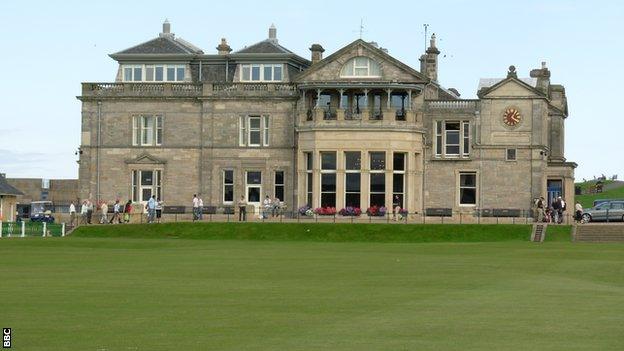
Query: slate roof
point(488, 82)
point(267, 46)
point(163, 45)
point(8, 189)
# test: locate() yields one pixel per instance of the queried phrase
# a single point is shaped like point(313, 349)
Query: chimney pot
point(317, 53)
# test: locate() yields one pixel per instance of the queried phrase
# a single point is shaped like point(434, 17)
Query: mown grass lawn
point(178, 294)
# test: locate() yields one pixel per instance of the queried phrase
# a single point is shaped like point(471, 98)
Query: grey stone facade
point(359, 99)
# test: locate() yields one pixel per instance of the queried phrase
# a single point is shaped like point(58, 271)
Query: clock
point(511, 117)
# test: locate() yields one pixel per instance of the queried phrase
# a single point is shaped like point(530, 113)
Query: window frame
point(460, 187)
point(281, 185)
point(354, 67)
point(178, 76)
point(140, 130)
point(350, 171)
point(136, 187)
point(376, 172)
point(247, 75)
point(401, 172)
point(441, 139)
point(328, 171)
point(515, 154)
point(226, 186)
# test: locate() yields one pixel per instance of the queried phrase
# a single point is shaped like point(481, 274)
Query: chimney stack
point(273, 33)
point(429, 61)
point(224, 48)
point(317, 52)
point(166, 30)
point(543, 78)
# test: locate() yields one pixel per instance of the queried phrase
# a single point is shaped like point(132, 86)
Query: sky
point(49, 48)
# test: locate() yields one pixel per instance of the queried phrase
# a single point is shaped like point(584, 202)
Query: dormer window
point(154, 73)
point(361, 67)
point(261, 73)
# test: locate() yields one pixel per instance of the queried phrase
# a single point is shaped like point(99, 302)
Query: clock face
point(511, 117)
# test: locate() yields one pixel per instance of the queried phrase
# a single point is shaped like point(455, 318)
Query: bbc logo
point(6, 338)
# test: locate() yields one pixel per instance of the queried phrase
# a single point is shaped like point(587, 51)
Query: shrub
point(376, 211)
point(305, 211)
point(325, 211)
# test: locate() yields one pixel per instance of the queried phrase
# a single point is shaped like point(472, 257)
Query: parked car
point(599, 201)
point(41, 211)
point(607, 210)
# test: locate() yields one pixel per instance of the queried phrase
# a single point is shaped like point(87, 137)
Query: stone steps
point(539, 233)
point(599, 233)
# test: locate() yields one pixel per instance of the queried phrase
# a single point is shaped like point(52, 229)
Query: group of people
point(198, 208)
point(555, 212)
point(121, 214)
point(273, 207)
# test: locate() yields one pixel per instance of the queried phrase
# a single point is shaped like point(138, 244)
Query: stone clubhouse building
point(355, 128)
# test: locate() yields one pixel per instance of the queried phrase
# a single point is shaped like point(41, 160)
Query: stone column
point(340, 112)
point(365, 111)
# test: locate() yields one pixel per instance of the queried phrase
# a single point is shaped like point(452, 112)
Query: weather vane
point(361, 29)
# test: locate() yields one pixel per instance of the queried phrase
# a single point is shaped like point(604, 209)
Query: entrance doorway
point(554, 187)
point(253, 189)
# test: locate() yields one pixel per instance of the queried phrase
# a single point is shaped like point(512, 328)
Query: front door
point(253, 184)
point(554, 189)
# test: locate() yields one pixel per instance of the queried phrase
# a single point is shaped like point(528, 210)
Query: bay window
point(328, 179)
point(377, 179)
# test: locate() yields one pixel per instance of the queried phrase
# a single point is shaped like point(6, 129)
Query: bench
point(174, 209)
point(439, 212)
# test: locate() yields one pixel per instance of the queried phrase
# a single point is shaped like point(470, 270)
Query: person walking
point(103, 212)
point(200, 209)
point(275, 207)
point(242, 209)
point(396, 207)
point(72, 214)
point(116, 213)
point(556, 208)
point(562, 209)
point(89, 211)
point(195, 207)
point(151, 209)
point(127, 211)
point(541, 212)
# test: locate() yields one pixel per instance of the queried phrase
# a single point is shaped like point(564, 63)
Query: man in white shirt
point(195, 207)
point(200, 209)
point(72, 214)
point(116, 212)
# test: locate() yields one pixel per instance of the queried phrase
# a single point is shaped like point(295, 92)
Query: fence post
point(23, 229)
point(0, 229)
point(460, 217)
point(45, 226)
point(63, 229)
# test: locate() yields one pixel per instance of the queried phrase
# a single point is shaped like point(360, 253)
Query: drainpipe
point(200, 70)
point(97, 154)
point(423, 178)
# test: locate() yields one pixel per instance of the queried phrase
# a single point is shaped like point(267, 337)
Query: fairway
point(180, 294)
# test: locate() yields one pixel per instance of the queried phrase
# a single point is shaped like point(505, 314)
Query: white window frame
point(261, 76)
point(252, 130)
point(245, 130)
point(441, 134)
point(372, 172)
point(459, 187)
point(355, 67)
point(140, 130)
point(265, 130)
point(258, 186)
point(323, 171)
point(225, 185)
point(177, 76)
point(352, 171)
point(137, 188)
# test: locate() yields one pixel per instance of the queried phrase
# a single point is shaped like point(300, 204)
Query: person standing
point(151, 209)
point(276, 207)
point(200, 209)
point(89, 211)
point(72, 214)
point(578, 209)
point(266, 207)
point(396, 207)
point(83, 212)
point(103, 213)
point(127, 211)
point(195, 207)
point(562, 209)
point(242, 209)
point(556, 206)
point(541, 213)
point(116, 213)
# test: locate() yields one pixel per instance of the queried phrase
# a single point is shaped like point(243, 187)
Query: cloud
point(37, 164)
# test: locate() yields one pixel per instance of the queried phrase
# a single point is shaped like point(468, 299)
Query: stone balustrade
point(465, 105)
point(188, 89)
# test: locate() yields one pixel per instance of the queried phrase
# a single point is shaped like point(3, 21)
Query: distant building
point(61, 192)
point(8, 200)
point(356, 128)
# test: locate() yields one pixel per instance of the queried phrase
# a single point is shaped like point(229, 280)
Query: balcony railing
point(471, 105)
point(188, 89)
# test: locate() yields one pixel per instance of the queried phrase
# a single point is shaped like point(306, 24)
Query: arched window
point(361, 67)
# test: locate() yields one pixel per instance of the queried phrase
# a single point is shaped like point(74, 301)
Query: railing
point(329, 114)
point(452, 104)
point(188, 89)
